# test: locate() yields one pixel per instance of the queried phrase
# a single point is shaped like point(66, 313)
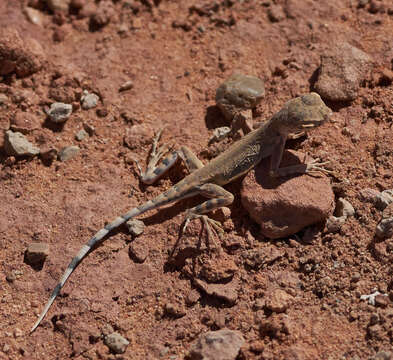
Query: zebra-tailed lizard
point(300, 114)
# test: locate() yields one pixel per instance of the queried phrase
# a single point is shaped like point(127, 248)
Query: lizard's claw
point(208, 223)
point(316, 166)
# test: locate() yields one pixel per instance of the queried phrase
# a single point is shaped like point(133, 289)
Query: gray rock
point(116, 343)
point(223, 344)
point(16, 144)
point(89, 100)
point(385, 228)
point(384, 199)
point(342, 69)
point(135, 227)
point(219, 134)
point(344, 208)
point(239, 92)
point(81, 134)
point(59, 112)
point(36, 253)
point(68, 152)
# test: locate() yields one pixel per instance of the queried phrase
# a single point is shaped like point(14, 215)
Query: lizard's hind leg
point(219, 198)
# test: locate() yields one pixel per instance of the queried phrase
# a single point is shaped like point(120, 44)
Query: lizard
point(299, 114)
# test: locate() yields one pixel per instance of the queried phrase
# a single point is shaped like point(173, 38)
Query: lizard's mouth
point(311, 124)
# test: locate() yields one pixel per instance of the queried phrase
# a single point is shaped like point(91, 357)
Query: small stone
point(16, 144)
point(13, 275)
point(48, 154)
point(384, 199)
point(116, 343)
point(226, 292)
point(89, 129)
point(192, 297)
point(382, 301)
point(333, 224)
point(135, 227)
point(276, 13)
point(278, 301)
point(68, 152)
point(89, 100)
point(58, 5)
point(59, 112)
point(24, 122)
point(36, 253)
point(385, 228)
point(102, 112)
point(34, 16)
point(223, 344)
point(219, 134)
point(342, 69)
point(126, 86)
point(375, 332)
point(17, 332)
point(138, 251)
point(239, 92)
point(355, 277)
point(81, 134)
point(175, 310)
point(344, 208)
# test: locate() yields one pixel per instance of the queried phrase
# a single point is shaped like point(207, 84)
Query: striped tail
point(171, 195)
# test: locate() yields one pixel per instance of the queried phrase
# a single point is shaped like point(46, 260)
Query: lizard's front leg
point(306, 168)
point(154, 171)
point(219, 197)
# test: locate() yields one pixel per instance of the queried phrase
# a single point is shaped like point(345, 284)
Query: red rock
point(22, 56)
point(278, 301)
point(25, 122)
point(284, 206)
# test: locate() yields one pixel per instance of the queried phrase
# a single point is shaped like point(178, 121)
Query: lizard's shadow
point(266, 181)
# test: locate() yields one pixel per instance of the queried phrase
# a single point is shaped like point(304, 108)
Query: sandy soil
point(176, 53)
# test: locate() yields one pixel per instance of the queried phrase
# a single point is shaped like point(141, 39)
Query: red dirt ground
point(176, 53)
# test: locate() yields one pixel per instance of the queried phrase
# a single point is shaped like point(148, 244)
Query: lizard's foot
point(208, 224)
point(316, 166)
point(155, 156)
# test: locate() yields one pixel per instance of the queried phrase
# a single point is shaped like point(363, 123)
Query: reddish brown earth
point(176, 53)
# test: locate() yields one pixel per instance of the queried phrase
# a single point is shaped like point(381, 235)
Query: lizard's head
point(303, 113)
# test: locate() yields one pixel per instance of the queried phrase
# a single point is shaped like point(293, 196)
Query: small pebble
point(81, 134)
point(126, 86)
point(89, 100)
point(68, 153)
point(59, 112)
point(135, 227)
point(36, 253)
point(344, 208)
point(116, 343)
point(16, 144)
